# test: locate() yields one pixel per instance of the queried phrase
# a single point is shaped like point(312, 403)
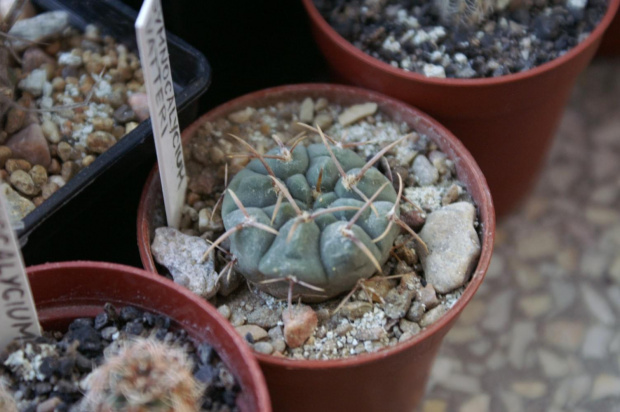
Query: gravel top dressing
point(51, 373)
point(76, 95)
point(411, 35)
point(426, 267)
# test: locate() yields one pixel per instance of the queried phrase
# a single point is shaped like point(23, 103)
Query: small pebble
point(306, 111)
point(100, 141)
point(263, 347)
point(279, 345)
point(69, 170)
point(38, 175)
point(51, 131)
point(124, 114)
point(242, 116)
point(425, 173)
point(299, 323)
point(257, 333)
point(427, 296)
point(415, 312)
point(356, 112)
point(24, 183)
point(355, 310)
point(432, 316)
point(5, 154)
point(224, 311)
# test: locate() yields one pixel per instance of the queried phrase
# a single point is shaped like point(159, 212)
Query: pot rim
point(466, 161)
point(349, 48)
point(247, 361)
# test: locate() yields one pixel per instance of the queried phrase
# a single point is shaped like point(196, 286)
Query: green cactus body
point(318, 252)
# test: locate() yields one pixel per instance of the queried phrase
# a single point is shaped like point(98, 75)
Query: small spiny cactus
point(319, 217)
point(146, 375)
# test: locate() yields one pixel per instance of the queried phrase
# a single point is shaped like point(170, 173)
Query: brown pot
point(69, 290)
point(506, 122)
point(393, 379)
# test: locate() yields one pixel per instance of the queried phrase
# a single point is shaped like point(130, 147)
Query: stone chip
point(300, 321)
point(180, 254)
point(356, 112)
point(18, 205)
point(38, 28)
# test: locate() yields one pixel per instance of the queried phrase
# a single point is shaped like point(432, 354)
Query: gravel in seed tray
point(56, 365)
point(82, 93)
point(389, 310)
point(409, 34)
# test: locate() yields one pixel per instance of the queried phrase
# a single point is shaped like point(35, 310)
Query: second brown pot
point(392, 379)
point(69, 290)
point(506, 122)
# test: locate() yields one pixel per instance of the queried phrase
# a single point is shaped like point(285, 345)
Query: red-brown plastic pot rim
point(347, 47)
point(465, 164)
point(230, 345)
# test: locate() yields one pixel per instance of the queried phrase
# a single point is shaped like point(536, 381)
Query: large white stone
point(453, 246)
point(38, 28)
point(181, 255)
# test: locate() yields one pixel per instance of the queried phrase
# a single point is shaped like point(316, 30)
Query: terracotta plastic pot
point(507, 122)
point(393, 379)
point(66, 291)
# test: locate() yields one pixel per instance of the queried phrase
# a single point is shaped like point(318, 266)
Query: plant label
point(18, 315)
point(153, 47)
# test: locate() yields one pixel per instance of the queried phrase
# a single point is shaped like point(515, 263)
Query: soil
point(388, 309)
point(74, 96)
point(56, 365)
point(411, 34)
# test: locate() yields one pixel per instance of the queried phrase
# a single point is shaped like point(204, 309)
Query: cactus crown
point(146, 375)
point(320, 216)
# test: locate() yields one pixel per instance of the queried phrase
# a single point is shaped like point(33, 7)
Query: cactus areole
point(330, 216)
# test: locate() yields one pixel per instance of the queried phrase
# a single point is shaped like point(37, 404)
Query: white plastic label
point(18, 315)
point(151, 35)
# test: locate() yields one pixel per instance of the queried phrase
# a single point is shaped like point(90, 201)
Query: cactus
point(319, 217)
point(146, 375)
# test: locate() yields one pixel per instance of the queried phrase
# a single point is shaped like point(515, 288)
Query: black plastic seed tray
point(191, 74)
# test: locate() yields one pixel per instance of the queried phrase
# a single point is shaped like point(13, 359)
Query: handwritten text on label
point(162, 106)
point(18, 316)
